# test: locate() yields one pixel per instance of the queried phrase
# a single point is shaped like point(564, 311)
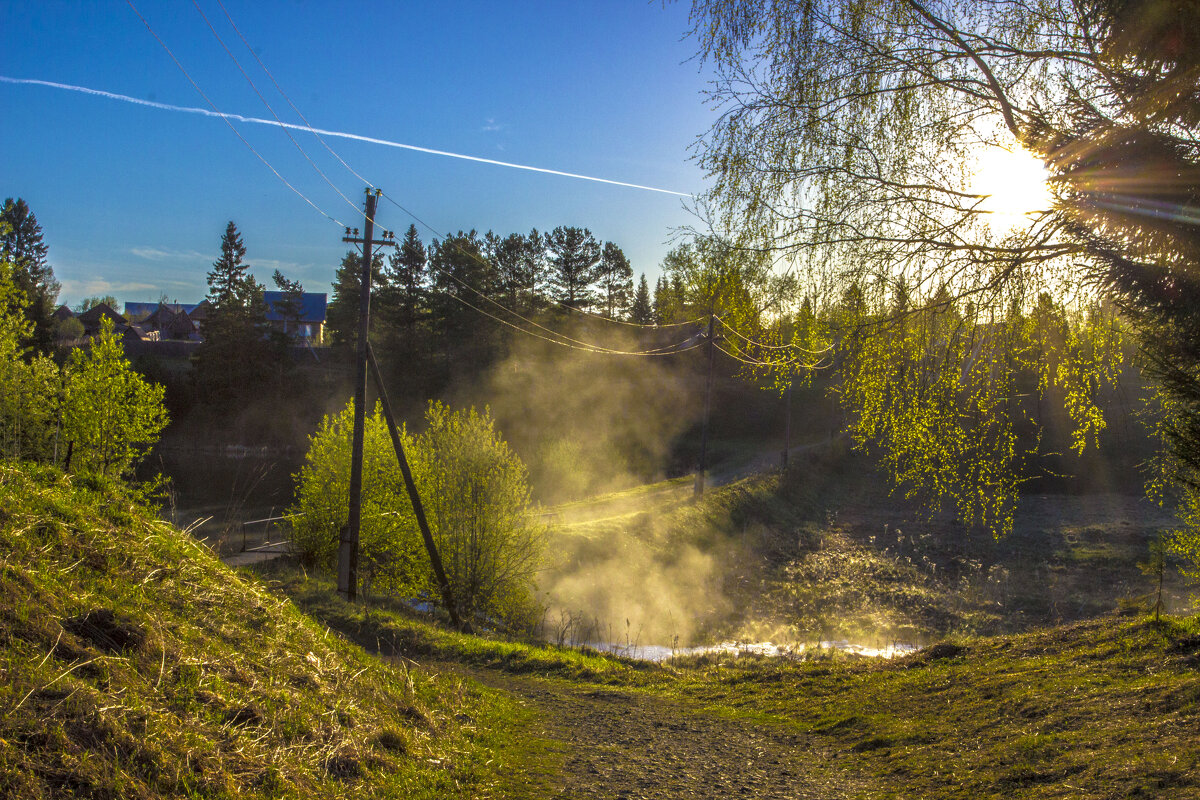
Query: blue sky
point(133, 199)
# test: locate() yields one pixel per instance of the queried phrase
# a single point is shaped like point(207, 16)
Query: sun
point(1015, 184)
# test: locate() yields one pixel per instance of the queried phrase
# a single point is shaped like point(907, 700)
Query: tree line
point(447, 309)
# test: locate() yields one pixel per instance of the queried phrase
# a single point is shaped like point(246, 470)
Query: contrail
point(322, 132)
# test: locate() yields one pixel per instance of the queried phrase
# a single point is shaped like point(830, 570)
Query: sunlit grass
point(134, 664)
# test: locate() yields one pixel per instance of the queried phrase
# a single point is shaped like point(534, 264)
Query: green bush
point(475, 491)
point(391, 558)
point(111, 414)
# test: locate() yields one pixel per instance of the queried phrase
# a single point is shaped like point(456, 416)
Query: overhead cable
point(775, 364)
point(282, 127)
point(284, 94)
point(765, 346)
point(481, 260)
point(218, 112)
point(586, 347)
point(666, 350)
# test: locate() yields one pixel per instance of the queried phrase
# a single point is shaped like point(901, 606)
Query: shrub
point(111, 414)
point(390, 550)
point(475, 491)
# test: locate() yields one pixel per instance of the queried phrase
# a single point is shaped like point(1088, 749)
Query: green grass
point(1106, 708)
point(134, 664)
point(394, 630)
point(1100, 709)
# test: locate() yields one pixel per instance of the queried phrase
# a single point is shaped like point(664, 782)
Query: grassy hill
point(134, 664)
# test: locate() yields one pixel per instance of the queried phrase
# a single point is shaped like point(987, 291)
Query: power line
point(218, 112)
point(562, 340)
point(748, 340)
point(765, 346)
point(502, 307)
point(756, 363)
point(282, 127)
point(586, 347)
point(583, 345)
point(279, 89)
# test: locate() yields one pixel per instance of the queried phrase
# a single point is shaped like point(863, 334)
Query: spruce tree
point(341, 315)
point(236, 360)
point(21, 244)
point(641, 311)
point(229, 283)
point(408, 274)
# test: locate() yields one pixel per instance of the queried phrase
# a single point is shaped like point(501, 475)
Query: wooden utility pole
point(348, 547)
point(435, 558)
point(703, 465)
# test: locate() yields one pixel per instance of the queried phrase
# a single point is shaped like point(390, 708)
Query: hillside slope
point(134, 664)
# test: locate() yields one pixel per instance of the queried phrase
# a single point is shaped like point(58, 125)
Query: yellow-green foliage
point(475, 492)
point(938, 390)
point(97, 406)
point(27, 383)
point(391, 558)
point(134, 664)
point(109, 412)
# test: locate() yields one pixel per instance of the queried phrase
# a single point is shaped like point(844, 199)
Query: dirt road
point(628, 744)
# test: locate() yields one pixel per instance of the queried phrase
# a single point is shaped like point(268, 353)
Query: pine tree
point(408, 268)
point(574, 257)
point(641, 311)
point(508, 257)
point(341, 315)
point(400, 312)
point(615, 277)
point(236, 360)
point(21, 245)
point(462, 278)
point(535, 273)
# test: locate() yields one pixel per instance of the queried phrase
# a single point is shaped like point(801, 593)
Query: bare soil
point(628, 744)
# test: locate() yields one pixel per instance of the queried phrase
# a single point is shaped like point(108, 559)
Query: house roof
point(180, 324)
point(312, 306)
point(62, 312)
point(93, 315)
point(137, 332)
point(138, 309)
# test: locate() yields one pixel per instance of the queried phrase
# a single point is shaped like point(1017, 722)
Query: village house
point(92, 317)
point(304, 324)
point(308, 324)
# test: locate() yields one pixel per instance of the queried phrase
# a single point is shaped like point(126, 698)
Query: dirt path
point(621, 744)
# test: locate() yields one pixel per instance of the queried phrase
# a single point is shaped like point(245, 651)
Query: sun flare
point(1015, 184)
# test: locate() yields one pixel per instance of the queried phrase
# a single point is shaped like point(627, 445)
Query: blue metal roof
point(312, 306)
